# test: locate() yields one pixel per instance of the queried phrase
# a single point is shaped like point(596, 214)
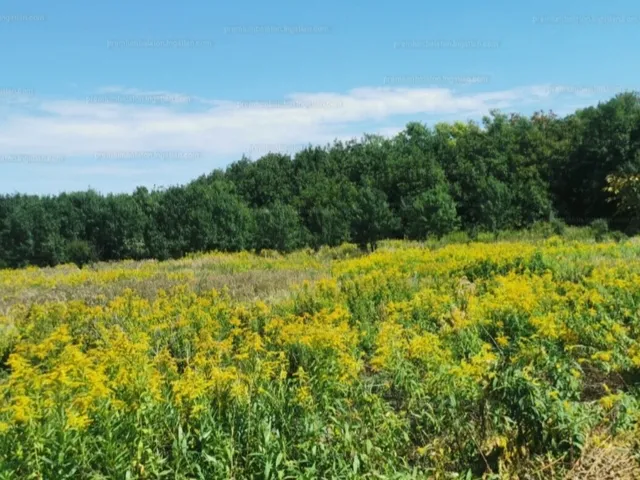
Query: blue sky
point(111, 95)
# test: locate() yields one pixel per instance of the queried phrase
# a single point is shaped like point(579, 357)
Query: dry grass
point(270, 285)
point(266, 285)
point(244, 276)
point(606, 459)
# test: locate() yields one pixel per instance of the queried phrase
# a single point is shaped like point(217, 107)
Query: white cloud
point(222, 130)
point(218, 127)
point(112, 170)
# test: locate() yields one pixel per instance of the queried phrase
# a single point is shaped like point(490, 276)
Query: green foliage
point(600, 228)
point(431, 213)
point(325, 205)
point(372, 219)
point(624, 190)
point(544, 229)
point(618, 236)
point(558, 226)
point(81, 252)
point(265, 181)
point(602, 141)
point(278, 227)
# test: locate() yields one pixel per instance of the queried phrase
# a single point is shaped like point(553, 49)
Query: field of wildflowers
point(502, 359)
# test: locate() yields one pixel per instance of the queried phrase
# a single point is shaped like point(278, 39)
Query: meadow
point(511, 358)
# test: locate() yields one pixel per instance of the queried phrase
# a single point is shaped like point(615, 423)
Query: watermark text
point(276, 29)
point(435, 44)
point(31, 158)
point(585, 19)
point(185, 43)
point(146, 155)
point(21, 18)
point(435, 79)
point(275, 104)
point(139, 99)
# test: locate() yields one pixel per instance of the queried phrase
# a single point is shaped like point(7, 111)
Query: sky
point(114, 95)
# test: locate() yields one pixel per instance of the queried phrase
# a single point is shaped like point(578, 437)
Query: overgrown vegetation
point(505, 359)
point(507, 173)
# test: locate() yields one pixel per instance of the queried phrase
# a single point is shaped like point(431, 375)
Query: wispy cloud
point(112, 170)
point(173, 141)
point(222, 127)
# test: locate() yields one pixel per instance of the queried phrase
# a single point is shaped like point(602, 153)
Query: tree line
point(505, 172)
